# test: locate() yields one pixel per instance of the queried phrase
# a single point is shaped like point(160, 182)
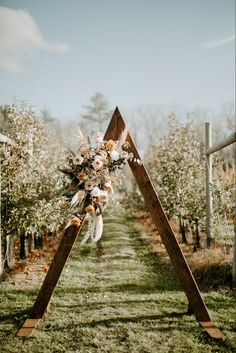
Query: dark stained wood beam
point(41, 304)
point(198, 307)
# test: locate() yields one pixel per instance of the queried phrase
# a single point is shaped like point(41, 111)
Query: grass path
point(115, 298)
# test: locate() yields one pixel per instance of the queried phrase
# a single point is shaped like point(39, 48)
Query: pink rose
point(97, 163)
point(78, 160)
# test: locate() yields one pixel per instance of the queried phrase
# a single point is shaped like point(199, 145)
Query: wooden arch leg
point(41, 304)
point(198, 307)
point(159, 217)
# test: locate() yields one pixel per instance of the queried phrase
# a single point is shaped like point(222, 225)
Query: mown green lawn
point(117, 297)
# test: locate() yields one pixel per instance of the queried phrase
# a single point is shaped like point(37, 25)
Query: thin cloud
point(19, 34)
point(219, 42)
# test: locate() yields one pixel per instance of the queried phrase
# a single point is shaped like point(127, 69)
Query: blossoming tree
point(30, 180)
point(176, 167)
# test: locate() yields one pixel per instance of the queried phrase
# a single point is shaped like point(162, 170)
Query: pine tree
point(97, 111)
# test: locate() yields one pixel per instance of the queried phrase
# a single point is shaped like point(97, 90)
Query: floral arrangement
point(91, 172)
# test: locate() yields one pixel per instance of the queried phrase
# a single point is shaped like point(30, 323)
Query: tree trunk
point(183, 231)
point(196, 233)
point(22, 245)
point(9, 253)
point(30, 242)
point(38, 240)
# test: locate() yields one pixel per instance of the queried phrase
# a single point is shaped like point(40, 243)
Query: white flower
point(114, 155)
point(97, 163)
point(124, 155)
point(89, 185)
point(78, 160)
point(96, 192)
point(103, 154)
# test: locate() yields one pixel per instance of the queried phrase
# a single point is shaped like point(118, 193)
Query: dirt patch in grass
point(31, 271)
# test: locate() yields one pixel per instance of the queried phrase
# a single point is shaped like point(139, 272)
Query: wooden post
point(220, 145)
point(234, 256)
point(209, 204)
point(209, 150)
point(1, 260)
point(234, 246)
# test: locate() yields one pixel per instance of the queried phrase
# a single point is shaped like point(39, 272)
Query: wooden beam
point(209, 199)
point(42, 301)
point(212, 330)
point(228, 141)
point(28, 327)
point(115, 128)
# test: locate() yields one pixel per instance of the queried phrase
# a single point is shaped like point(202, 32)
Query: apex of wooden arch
point(196, 303)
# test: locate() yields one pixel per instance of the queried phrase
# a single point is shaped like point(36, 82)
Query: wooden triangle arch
point(196, 303)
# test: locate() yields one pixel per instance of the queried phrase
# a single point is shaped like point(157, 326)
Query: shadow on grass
point(111, 303)
point(135, 288)
point(128, 288)
point(162, 323)
point(14, 316)
point(136, 319)
point(25, 292)
point(15, 297)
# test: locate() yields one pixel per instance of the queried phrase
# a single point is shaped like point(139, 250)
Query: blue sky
point(58, 53)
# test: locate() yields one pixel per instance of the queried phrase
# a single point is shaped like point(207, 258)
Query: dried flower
point(67, 168)
point(103, 197)
point(72, 185)
point(95, 176)
point(97, 163)
point(96, 192)
point(89, 185)
point(76, 221)
point(63, 205)
point(103, 154)
point(109, 145)
point(107, 186)
point(114, 155)
point(99, 137)
point(81, 175)
point(78, 160)
point(84, 150)
point(89, 209)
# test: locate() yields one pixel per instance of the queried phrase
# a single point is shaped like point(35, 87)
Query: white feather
point(78, 140)
point(77, 198)
point(90, 231)
point(80, 137)
point(122, 139)
point(87, 235)
point(98, 228)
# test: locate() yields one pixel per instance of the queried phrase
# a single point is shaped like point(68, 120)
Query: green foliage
point(30, 180)
point(178, 172)
point(177, 167)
